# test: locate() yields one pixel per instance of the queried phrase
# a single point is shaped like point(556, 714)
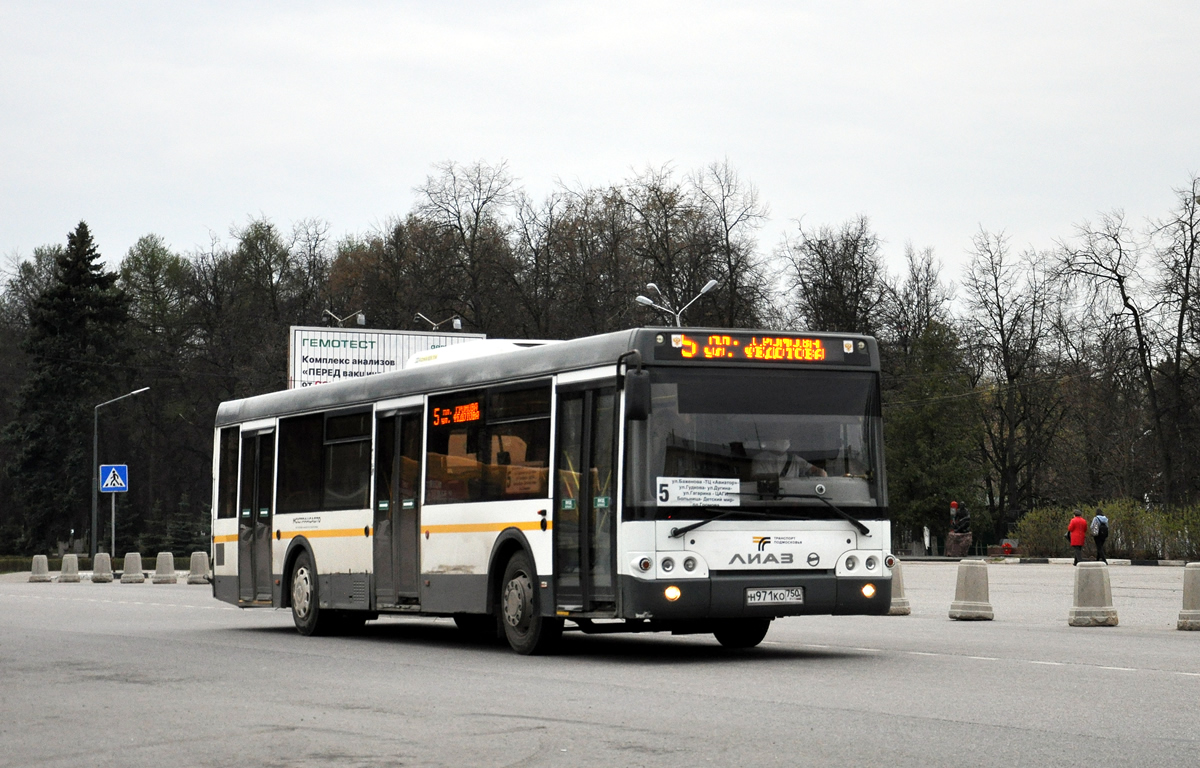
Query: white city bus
point(653, 479)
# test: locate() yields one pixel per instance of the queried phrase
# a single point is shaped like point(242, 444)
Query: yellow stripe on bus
point(335, 533)
point(351, 532)
point(485, 527)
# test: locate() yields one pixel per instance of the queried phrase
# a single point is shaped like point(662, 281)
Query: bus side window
point(227, 473)
point(300, 457)
point(488, 446)
point(347, 461)
point(453, 470)
point(518, 457)
point(520, 453)
point(324, 462)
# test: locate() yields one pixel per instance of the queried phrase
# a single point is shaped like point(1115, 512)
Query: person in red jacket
point(1077, 532)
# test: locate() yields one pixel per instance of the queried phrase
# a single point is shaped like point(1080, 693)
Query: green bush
point(1040, 532)
point(1133, 531)
point(21, 563)
point(24, 563)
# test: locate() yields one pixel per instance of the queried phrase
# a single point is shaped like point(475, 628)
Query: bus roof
point(533, 362)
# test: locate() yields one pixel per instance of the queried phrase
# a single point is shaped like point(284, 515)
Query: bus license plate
point(774, 595)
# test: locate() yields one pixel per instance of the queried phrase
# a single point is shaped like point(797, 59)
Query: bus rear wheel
point(527, 630)
point(741, 633)
point(307, 614)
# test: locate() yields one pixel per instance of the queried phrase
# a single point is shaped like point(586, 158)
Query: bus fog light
point(668, 564)
point(689, 564)
point(672, 593)
point(871, 563)
point(868, 591)
point(851, 563)
point(644, 564)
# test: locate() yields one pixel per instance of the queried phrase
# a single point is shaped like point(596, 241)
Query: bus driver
point(777, 460)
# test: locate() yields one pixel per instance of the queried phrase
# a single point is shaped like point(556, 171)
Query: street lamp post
point(454, 320)
point(677, 313)
point(96, 466)
point(359, 316)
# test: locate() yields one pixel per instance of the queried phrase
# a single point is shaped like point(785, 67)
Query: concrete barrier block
point(198, 572)
point(40, 570)
point(164, 568)
point(900, 605)
point(102, 568)
point(971, 600)
point(1189, 617)
point(133, 569)
point(1093, 597)
point(70, 569)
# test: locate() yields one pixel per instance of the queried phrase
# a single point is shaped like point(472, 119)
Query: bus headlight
point(868, 591)
point(689, 564)
point(668, 564)
point(672, 593)
point(851, 563)
point(871, 563)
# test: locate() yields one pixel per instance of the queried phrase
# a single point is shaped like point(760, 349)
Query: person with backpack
point(1077, 534)
point(1099, 530)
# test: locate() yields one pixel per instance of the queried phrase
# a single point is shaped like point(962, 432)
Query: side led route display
point(459, 414)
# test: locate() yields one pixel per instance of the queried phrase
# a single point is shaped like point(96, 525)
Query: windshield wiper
point(863, 529)
point(677, 532)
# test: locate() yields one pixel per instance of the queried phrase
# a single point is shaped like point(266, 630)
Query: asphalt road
point(145, 675)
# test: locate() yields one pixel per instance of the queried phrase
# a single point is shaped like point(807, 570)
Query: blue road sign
point(114, 478)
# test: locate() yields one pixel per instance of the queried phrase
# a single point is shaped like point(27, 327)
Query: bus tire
point(741, 633)
point(527, 630)
point(306, 603)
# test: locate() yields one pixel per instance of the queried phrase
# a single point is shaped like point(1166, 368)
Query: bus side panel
point(225, 559)
point(342, 547)
point(222, 555)
point(457, 541)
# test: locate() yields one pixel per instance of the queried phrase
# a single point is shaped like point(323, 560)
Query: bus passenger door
point(254, 517)
point(397, 472)
point(585, 501)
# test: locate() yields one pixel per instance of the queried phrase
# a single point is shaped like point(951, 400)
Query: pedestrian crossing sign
point(114, 478)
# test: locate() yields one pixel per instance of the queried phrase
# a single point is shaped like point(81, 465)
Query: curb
point(1113, 561)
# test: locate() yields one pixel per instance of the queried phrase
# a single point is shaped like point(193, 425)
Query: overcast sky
point(931, 118)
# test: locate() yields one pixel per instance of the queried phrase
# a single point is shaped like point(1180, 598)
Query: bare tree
point(541, 258)
point(468, 203)
point(732, 208)
point(916, 302)
point(837, 277)
point(1009, 326)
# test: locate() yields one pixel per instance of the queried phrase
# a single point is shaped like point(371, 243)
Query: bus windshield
point(720, 438)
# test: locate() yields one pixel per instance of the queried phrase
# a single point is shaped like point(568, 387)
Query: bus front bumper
point(724, 595)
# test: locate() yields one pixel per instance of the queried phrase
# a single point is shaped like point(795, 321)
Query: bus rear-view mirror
point(637, 395)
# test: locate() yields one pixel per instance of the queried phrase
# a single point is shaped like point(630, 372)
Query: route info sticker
point(697, 491)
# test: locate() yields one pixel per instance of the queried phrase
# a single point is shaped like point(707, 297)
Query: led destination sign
point(761, 348)
point(459, 414)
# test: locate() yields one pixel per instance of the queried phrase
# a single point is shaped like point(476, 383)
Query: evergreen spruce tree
point(74, 329)
point(932, 436)
point(187, 528)
point(156, 534)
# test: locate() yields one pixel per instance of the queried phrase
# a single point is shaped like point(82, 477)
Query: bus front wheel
point(741, 633)
point(527, 630)
point(310, 619)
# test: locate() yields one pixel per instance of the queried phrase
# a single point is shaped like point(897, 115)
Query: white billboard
point(323, 355)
